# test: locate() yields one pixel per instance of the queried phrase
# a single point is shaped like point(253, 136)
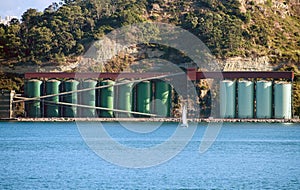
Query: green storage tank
point(70, 85)
point(227, 98)
point(88, 98)
point(264, 99)
point(107, 98)
point(245, 99)
point(143, 97)
point(163, 94)
point(124, 99)
point(33, 90)
point(134, 98)
point(25, 88)
point(52, 109)
point(25, 94)
point(283, 100)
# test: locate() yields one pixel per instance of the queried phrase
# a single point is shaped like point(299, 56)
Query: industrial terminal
point(243, 96)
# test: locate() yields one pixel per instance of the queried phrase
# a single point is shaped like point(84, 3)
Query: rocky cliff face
point(282, 7)
point(133, 63)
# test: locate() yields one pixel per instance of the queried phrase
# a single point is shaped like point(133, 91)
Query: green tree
point(2, 40)
point(40, 39)
point(12, 41)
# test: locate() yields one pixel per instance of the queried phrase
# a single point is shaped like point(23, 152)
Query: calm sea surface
point(244, 156)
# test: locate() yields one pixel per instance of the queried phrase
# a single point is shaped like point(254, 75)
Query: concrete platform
point(205, 120)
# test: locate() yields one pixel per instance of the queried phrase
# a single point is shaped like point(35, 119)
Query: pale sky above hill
point(18, 7)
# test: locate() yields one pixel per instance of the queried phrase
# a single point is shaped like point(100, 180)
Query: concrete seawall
point(205, 120)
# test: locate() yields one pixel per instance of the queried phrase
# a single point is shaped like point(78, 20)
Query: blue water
point(244, 156)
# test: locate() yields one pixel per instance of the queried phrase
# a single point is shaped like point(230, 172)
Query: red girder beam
point(245, 74)
point(197, 75)
point(192, 74)
point(92, 75)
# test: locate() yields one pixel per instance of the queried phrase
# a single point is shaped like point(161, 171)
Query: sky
point(18, 7)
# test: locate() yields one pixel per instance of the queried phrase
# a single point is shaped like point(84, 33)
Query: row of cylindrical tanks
point(261, 99)
point(238, 98)
point(128, 96)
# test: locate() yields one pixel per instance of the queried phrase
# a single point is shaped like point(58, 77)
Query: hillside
point(229, 28)
point(266, 30)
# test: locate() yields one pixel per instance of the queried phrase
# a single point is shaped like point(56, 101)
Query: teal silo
point(283, 100)
point(264, 99)
point(143, 97)
point(227, 98)
point(25, 88)
point(88, 98)
point(245, 99)
point(33, 90)
point(25, 94)
point(124, 101)
point(107, 98)
point(162, 96)
point(70, 85)
point(51, 108)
